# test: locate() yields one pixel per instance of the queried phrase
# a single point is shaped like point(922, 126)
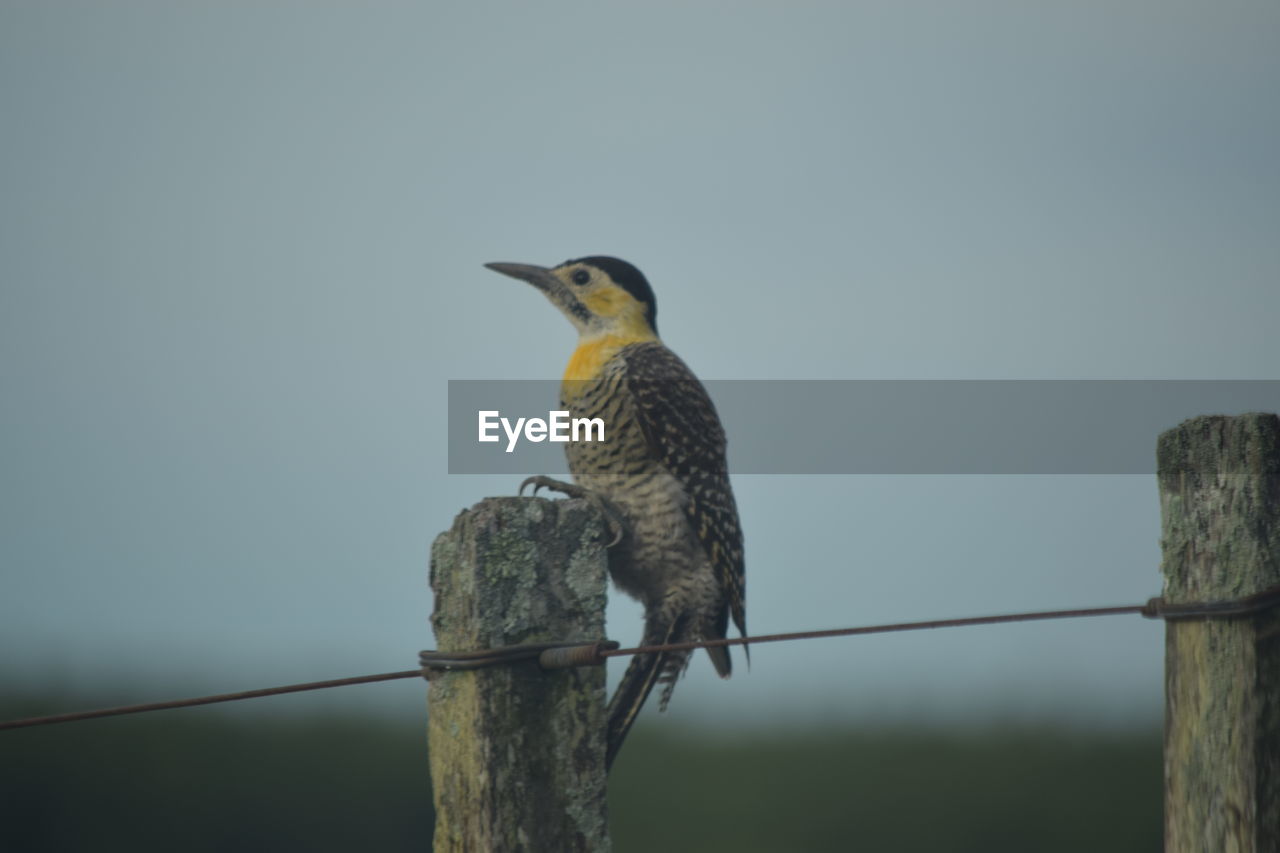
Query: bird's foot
point(541, 481)
point(613, 518)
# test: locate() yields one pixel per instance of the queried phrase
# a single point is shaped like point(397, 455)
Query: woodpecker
point(661, 474)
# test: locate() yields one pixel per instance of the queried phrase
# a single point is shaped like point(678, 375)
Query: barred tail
point(643, 673)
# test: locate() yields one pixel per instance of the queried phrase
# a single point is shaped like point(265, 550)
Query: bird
point(661, 475)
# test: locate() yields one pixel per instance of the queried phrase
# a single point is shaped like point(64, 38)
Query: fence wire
point(577, 653)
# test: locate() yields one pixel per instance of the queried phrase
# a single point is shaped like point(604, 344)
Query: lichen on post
point(517, 754)
point(1220, 506)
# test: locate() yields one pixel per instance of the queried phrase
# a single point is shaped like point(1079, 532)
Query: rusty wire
point(206, 700)
point(559, 655)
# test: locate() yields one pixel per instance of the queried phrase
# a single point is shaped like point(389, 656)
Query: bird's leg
point(612, 517)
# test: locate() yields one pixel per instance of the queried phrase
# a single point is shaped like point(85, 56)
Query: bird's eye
point(580, 277)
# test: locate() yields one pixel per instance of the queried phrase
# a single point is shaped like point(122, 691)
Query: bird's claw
point(541, 481)
point(612, 518)
point(617, 526)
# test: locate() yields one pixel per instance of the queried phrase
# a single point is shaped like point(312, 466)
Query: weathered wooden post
point(517, 754)
point(1220, 503)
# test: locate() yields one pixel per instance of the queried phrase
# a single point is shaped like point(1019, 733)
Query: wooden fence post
point(1220, 504)
point(517, 754)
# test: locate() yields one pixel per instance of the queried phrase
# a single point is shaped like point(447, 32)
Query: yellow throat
point(594, 352)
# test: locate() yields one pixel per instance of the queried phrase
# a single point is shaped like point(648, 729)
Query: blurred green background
point(210, 779)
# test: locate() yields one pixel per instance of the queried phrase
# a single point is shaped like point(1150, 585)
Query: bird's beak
point(554, 289)
point(539, 277)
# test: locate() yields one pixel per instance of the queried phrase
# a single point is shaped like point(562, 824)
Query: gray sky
point(240, 256)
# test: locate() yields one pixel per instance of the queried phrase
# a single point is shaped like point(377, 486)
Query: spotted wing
point(682, 429)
